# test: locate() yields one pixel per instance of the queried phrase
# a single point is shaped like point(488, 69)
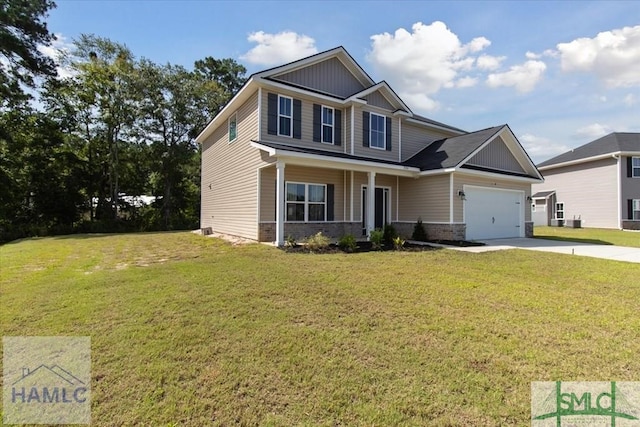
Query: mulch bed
point(361, 248)
point(460, 243)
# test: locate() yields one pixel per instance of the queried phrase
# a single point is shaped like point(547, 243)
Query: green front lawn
point(601, 236)
point(191, 331)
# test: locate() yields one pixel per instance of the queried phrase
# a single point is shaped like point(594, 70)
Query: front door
point(381, 208)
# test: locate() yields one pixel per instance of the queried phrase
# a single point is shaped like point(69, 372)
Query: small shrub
point(398, 243)
point(376, 237)
point(347, 243)
point(419, 232)
point(389, 233)
point(290, 242)
point(317, 242)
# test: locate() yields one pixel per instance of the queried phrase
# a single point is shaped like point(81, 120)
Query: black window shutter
point(629, 167)
point(272, 114)
point(297, 119)
point(330, 192)
point(317, 123)
point(337, 130)
point(365, 128)
point(388, 129)
point(630, 208)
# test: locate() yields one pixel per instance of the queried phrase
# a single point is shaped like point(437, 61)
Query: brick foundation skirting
point(631, 225)
point(528, 229)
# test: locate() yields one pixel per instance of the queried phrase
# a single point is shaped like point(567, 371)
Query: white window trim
point(384, 131)
point(306, 201)
point(280, 133)
point(635, 207)
point(559, 210)
point(323, 124)
point(634, 168)
point(233, 117)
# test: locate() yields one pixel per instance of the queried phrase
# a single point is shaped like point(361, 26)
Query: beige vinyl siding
point(300, 174)
point(460, 180)
point(426, 197)
point(496, 155)
point(630, 189)
point(229, 206)
point(307, 123)
point(329, 76)
point(374, 153)
point(588, 190)
point(376, 98)
point(415, 138)
point(360, 180)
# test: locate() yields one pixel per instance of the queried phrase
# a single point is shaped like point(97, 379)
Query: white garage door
point(492, 213)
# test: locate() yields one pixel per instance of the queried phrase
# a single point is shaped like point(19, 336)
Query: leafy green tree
point(22, 29)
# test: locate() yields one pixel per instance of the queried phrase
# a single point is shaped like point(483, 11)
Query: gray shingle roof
point(449, 152)
point(612, 143)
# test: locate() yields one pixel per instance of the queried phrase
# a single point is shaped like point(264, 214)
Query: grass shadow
point(574, 239)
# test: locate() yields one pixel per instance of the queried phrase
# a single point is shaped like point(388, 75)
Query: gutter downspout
point(619, 184)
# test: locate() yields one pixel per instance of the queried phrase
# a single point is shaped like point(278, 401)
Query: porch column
point(280, 203)
point(371, 202)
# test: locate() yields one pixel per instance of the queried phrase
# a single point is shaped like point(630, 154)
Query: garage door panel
point(492, 213)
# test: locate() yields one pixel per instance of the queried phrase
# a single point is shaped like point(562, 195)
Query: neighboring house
point(300, 147)
point(598, 183)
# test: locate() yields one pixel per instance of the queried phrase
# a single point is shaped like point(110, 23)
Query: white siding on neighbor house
point(300, 174)
point(588, 190)
point(460, 180)
point(496, 155)
point(329, 76)
point(426, 198)
point(230, 205)
point(307, 123)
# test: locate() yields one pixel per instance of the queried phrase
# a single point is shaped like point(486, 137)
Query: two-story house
point(597, 183)
point(317, 145)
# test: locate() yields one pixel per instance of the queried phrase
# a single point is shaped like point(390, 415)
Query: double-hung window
point(559, 210)
point(306, 202)
point(377, 131)
point(635, 167)
point(233, 127)
point(285, 115)
point(327, 125)
point(636, 209)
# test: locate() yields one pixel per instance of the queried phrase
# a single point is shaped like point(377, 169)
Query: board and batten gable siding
point(415, 138)
point(329, 76)
point(306, 139)
point(426, 198)
point(375, 153)
point(588, 190)
point(230, 205)
point(300, 174)
point(630, 187)
point(460, 180)
point(496, 155)
point(377, 99)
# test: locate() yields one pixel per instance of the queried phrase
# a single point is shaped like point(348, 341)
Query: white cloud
point(531, 55)
point(630, 100)
point(614, 56)
point(541, 148)
point(593, 131)
point(523, 77)
point(421, 62)
point(273, 49)
point(488, 62)
point(58, 48)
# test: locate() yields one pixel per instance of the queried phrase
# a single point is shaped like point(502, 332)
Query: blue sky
point(559, 73)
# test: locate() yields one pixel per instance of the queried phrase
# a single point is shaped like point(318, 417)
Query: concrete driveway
point(617, 253)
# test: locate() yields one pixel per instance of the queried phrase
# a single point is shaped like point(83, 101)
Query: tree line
point(83, 138)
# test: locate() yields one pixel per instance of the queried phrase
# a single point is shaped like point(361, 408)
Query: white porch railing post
point(371, 202)
point(280, 203)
